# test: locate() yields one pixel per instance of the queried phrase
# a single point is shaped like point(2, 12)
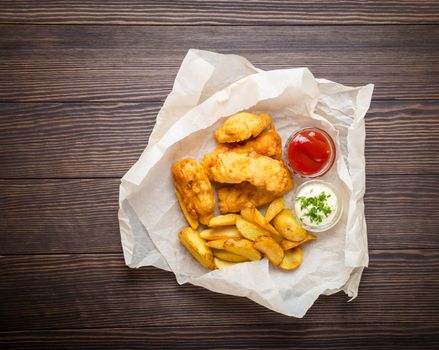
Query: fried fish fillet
point(194, 187)
point(232, 198)
point(269, 144)
point(209, 159)
point(242, 126)
point(261, 171)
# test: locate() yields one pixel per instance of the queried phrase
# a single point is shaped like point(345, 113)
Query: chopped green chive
point(317, 207)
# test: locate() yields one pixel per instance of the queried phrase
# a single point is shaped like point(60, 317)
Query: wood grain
point(82, 291)
point(94, 75)
point(226, 12)
point(73, 140)
point(45, 140)
point(80, 216)
point(135, 63)
point(278, 336)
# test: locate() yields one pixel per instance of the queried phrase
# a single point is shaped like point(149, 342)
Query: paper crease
point(209, 87)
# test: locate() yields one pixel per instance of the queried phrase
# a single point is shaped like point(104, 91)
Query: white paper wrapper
point(208, 88)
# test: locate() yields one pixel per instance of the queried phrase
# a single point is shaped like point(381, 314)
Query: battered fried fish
point(209, 159)
point(269, 144)
point(242, 126)
point(194, 187)
point(260, 171)
point(232, 198)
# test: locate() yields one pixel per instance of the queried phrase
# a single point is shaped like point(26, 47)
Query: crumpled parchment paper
point(208, 88)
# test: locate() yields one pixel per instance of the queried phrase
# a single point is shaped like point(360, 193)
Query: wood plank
point(44, 140)
point(73, 140)
point(139, 63)
point(301, 336)
point(402, 138)
point(80, 216)
point(196, 12)
point(83, 291)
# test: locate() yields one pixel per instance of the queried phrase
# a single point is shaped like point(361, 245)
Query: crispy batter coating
point(232, 198)
point(269, 144)
point(261, 171)
point(193, 185)
point(247, 159)
point(242, 126)
point(209, 159)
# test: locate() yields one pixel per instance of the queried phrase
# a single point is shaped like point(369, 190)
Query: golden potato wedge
point(309, 237)
point(217, 243)
point(247, 212)
point(274, 208)
point(277, 237)
point(286, 245)
point(271, 249)
point(252, 214)
point(220, 264)
point(223, 220)
point(249, 230)
point(220, 233)
point(242, 247)
point(288, 227)
point(228, 256)
point(193, 222)
point(197, 247)
point(292, 259)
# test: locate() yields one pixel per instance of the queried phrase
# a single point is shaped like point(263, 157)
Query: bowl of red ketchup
point(310, 152)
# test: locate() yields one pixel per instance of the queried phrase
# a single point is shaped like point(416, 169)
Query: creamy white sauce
point(313, 190)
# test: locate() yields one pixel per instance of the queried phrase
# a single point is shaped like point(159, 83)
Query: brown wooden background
point(81, 82)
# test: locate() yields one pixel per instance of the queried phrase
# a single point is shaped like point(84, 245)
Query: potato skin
point(252, 214)
point(274, 208)
point(223, 220)
point(286, 244)
point(270, 248)
point(292, 259)
point(222, 232)
point(192, 241)
point(288, 227)
point(250, 230)
point(216, 244)
point(228, 256)
point(220, 264)
point(242, 247)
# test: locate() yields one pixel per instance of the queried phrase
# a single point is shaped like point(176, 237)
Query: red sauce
point(311, 151)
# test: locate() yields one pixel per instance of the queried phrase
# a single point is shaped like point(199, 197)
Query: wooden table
point(81, 83)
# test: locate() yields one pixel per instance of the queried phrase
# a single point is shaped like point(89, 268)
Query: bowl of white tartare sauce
point(317, 207)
